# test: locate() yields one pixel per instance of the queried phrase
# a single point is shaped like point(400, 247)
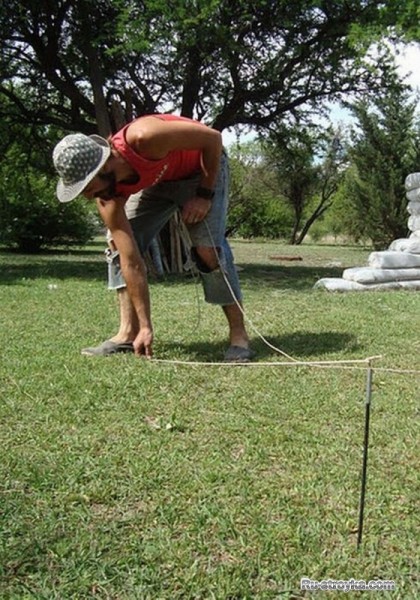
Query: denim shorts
point(149, 210)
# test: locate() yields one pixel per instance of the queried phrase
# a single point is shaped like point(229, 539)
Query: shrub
point(260, 216)
point(30, 215)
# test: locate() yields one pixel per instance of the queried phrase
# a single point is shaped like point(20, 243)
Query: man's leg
point(216, 291)
point(129, 323)
point(214, 259)
point(147, 215)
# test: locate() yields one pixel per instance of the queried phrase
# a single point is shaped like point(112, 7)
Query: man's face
point(102, 186)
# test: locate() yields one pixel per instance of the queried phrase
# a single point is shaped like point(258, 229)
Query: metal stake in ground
point(365, 454)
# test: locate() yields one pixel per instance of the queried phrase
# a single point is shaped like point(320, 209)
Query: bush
point(32, 218)
point(260, 217)
point(256, 208)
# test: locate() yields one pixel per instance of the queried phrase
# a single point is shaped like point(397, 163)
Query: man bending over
point(175, 163)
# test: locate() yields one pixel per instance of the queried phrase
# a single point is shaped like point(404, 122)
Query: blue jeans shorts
point(149, 210)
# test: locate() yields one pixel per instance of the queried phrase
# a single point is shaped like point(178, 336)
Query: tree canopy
point(90, 66)
point(385, 149)
point(65, 62)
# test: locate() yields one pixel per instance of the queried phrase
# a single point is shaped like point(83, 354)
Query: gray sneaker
point(107, 348)
point(238, 354)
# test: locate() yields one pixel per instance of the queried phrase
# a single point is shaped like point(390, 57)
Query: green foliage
point(260, 216)
point(282, 184)
point(306, 163)
point(404, 17)
point(30, 215)
point(290, 153)
point(337, 221)
point(224, 62)
point(256, 207)
point(385, 149)
point(32, 218)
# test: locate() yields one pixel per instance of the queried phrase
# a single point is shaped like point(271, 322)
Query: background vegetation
point(270, 66)
point(347, 181)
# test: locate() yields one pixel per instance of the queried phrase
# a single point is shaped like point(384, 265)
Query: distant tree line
point(344, 181)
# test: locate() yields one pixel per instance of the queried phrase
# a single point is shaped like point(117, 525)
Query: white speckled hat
point(77, 159)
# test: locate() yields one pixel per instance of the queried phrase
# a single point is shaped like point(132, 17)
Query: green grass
point(127, 479)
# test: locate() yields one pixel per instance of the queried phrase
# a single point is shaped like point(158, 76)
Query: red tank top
point(178, 164)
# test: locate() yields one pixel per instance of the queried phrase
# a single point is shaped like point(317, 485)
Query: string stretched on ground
point(363, 363)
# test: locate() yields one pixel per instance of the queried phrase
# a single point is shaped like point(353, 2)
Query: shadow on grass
point(11, 274)
point(298, 345)
point(271, 277)
point(285, 277)
point(93, 247)
point(85, 265)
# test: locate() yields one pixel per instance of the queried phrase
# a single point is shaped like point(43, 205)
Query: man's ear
point(106, 167)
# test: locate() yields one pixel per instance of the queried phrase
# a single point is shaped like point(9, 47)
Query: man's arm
point(133, 269)
point(154, 138)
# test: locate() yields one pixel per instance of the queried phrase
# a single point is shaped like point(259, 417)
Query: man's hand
point(195, 210)
point(143, 343)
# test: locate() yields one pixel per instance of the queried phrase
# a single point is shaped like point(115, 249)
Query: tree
point(89, 65)
point(30, 216)
point(330, 173)
point(221, 61)
point(307, 162)
point(255, 207)
point(385, 149)
point(405, 17)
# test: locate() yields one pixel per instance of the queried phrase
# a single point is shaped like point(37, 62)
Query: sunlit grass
point(127, 479)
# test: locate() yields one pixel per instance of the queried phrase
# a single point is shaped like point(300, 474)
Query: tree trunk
point(97, 82)
point(178, 245)
point(315, 215)
point(295, 230)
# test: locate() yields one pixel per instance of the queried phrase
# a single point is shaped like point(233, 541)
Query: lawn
point(128, 479)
